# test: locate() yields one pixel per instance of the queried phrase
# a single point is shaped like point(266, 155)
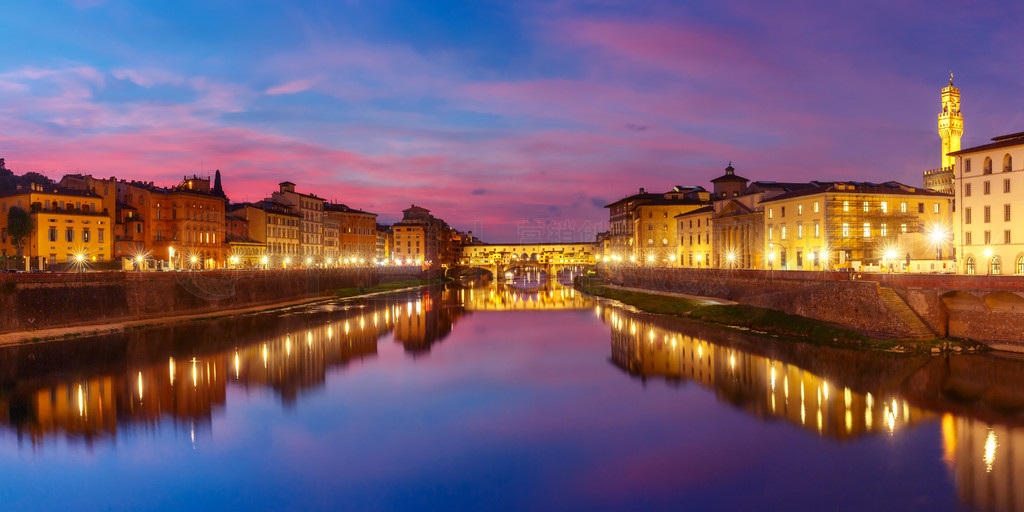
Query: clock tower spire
point(951, 122)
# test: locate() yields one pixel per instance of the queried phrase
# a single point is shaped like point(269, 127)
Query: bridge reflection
point(843, 395)
point(525, 296)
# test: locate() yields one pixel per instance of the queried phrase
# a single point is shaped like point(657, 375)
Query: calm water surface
point(500, 398)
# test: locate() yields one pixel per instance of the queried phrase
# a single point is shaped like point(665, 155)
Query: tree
point(19, 227)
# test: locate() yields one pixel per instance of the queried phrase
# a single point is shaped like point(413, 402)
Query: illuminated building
point(188, 225)
point(276, 227)
point(385, 242)
point(422, 238)
point(643, 226)
point(357, 232)
point(738, 224)
point(246, 252)
point(69, 226)
point(694, 230)
point(989, 194)
point(853, 223)
point(310, 210)
point(331, 243)
point(951, 128)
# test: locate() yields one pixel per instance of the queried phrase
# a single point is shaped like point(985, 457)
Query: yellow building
point(643, 227)
point(410, 243)
point(694, 230)
point(277, 227)
point(846, 224)
point(70, 226)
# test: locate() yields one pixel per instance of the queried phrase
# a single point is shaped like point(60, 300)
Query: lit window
point(846, 229)
point(865, 206)
point(867, 229)
point(815, 207)
point(903, 228)
point(799, 209)
point(816, 230)
point(935, 208)
point(799, 230)
point(885, 207)
point(903, 207)
point(882, 230)
point(846, 206)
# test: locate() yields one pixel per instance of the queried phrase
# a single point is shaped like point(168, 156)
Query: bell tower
point(951, 122)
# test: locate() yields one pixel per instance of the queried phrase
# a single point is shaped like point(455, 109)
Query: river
point(528, 396)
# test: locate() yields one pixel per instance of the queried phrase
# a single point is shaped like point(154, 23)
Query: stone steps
point(917, 328)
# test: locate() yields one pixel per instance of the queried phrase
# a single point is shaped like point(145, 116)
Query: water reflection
point(843, 394)
point(88, 389)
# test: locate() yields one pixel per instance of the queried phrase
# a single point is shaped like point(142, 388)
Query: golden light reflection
point(81, 401)
point(140, 386)
point(170, 364)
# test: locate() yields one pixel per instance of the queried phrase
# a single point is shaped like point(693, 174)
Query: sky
point(518, 120)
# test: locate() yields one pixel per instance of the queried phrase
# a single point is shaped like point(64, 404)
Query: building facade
point(69, 226)
point(357, 233)
point(842, 224)
point(989, 193)
point(310, 210)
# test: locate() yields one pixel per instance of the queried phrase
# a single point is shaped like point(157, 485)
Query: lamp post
point(988, 256)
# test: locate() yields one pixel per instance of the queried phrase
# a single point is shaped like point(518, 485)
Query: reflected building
point(765, 387)
point(148, 387)
point(422, 322)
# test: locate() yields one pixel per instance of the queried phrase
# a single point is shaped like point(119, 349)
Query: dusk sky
point(506, 118)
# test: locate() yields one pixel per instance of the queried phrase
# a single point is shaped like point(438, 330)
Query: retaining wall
point(35, 301)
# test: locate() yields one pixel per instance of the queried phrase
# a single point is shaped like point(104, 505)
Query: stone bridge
point(549, 258)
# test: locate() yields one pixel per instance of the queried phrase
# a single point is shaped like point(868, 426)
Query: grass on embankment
point(385, 287)
point(753, 318)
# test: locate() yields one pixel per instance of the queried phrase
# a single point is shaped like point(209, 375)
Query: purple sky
point(517, 120)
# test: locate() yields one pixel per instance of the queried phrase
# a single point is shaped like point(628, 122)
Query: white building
point(989, 192)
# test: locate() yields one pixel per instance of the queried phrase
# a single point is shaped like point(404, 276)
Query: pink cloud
point(147, 77)
point(291, 87)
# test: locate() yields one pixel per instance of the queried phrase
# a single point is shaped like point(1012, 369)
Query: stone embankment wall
point(988, 309)
point(36, 301)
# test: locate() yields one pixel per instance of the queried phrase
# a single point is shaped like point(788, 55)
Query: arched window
point(987, 168)
point(1007, 163)
point(1020, 265)
point(970, 265)
point(996, 266)
point(782, 259)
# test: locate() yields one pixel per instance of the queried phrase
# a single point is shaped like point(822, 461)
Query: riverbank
point(730, 314)
point(83, 330)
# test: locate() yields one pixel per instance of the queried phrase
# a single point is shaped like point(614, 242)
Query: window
point(770, 230)
point(920, 207)
point(967, 165)
point(52, 234)
point(799, 230)
point(903, 228)
point(86, 235)
point(69, 235)
point(1006, 236)
point(799, 259)
point(867, 229)
point(988, 238)
point(1020, 265)
point(1007, 162)
point(799, 209)
point(882, 230)
point(782, 230)
point(846, 206)
point(815, 207)
point(996, 266)
point(935, 208)
point(816, 230)
point(846, 229)
point(885, 207)
point(903, 207)
point(1006, 212)
point(865, 206)
point(970, 265)
point(967, 215)
point(988, 214)
point(967, 190)
point(783, 212)
point(967, 238)
point(986, 188)
point(987, 166)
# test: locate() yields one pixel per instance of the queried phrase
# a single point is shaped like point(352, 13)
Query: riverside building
point(69, 226)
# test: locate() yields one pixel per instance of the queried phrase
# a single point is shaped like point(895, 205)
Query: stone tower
point(951, 122)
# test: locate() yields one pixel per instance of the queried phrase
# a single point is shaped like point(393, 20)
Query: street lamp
point(988, 256)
